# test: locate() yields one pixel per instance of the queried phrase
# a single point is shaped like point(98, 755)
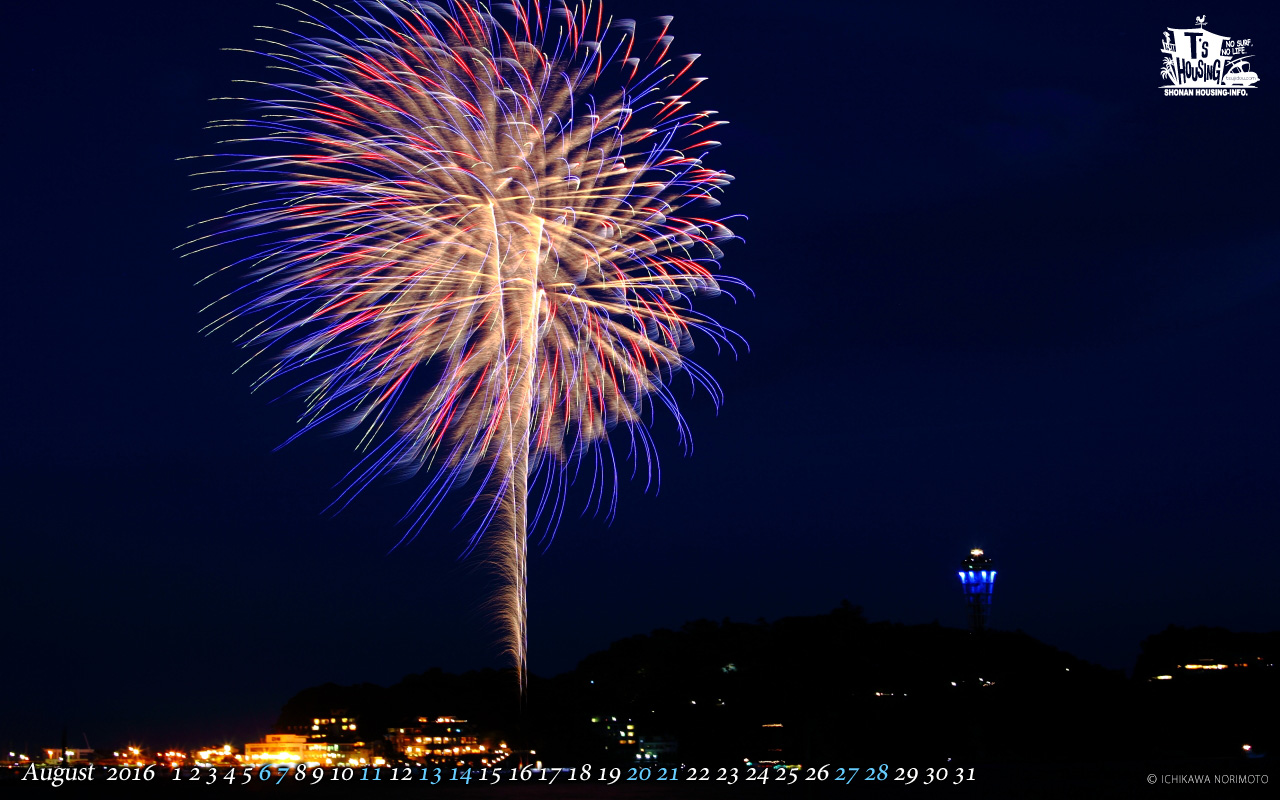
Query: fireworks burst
point(478, 245)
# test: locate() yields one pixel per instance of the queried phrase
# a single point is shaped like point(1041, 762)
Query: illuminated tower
point(977, 579)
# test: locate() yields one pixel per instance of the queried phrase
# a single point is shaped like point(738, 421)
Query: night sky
point(1007, 295)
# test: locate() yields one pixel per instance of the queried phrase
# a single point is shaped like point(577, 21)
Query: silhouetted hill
point(827, 687)
point(839, 685)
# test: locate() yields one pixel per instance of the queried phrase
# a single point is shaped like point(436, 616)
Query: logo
point(1204, 64)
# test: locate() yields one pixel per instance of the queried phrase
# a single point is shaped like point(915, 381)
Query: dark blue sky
point(1007, 295)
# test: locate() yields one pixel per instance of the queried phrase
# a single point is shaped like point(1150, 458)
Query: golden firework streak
point(517, 318)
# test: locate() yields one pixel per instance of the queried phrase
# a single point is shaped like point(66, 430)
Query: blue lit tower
point(977, 579)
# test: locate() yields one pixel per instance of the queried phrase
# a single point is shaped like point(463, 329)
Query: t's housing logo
point(1204, 64)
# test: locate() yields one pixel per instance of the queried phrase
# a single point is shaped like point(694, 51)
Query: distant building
point(216, 756)
point(278, 748)
point(334, 728)
point(626, 744)
point(72, 754)
point(771, 745)
point(618, 735)
point(441, 739)
point(352, 754)
point(288, 748)
point(658, 748)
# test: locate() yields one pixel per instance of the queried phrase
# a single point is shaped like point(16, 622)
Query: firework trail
point(475, 240)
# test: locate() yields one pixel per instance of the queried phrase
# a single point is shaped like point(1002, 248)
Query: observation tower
point(977, 579)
